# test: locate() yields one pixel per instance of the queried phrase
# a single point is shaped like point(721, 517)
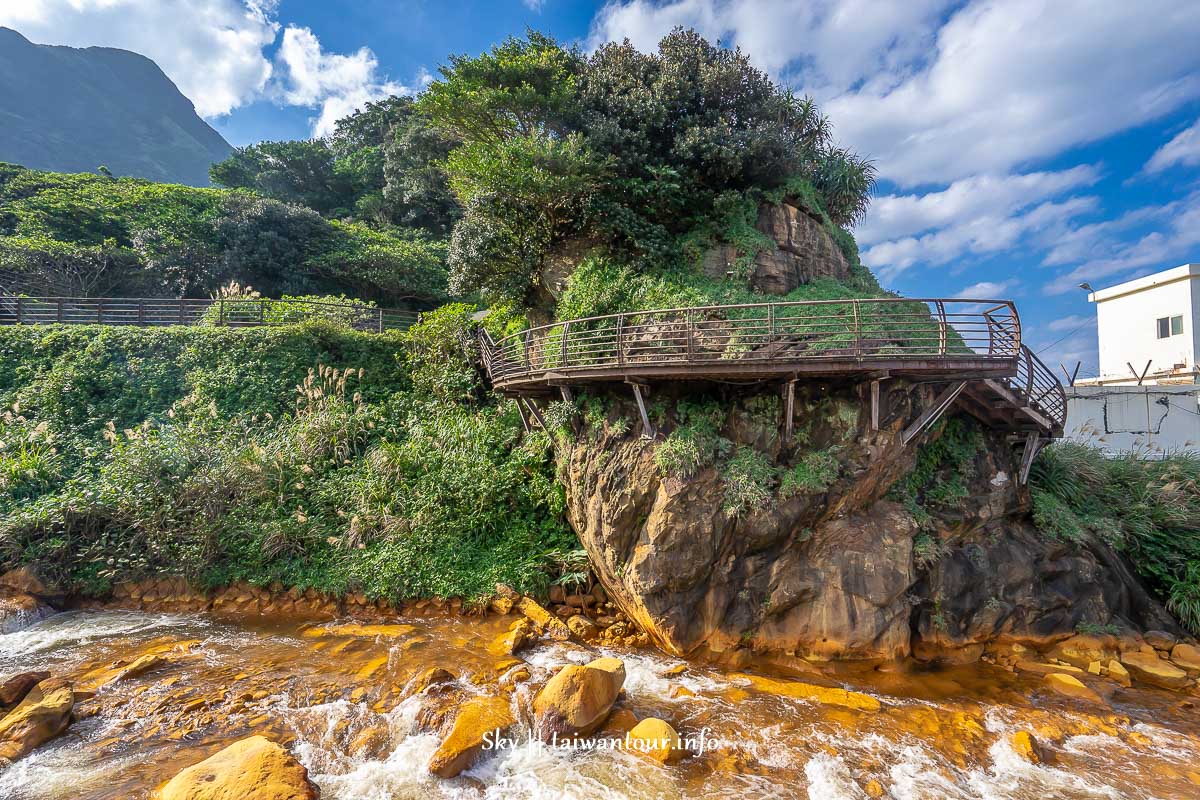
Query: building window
point(1170, 326)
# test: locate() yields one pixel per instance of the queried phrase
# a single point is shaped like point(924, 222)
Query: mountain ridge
point(73, 109)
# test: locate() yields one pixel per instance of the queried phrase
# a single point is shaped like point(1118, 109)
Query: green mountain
point(71, 110)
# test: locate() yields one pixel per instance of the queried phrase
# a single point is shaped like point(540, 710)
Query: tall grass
point(1148, 509)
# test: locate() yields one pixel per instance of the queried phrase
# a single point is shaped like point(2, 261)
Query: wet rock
point(254, 768)
point(818, 694)
point(620, 722)
point(554, 627)
point(582, 628)
point(557, 595)
point(578, 699)
point(18, 611)
point(1081, 651)
point(479, 717)
point(1160, 640)
point(43, 714)
point(438, 705)
point(24, 580)
point(1039, 668)
point(1118, 673)
point(1027, 747)
point(425, 679)
point(14, 689)
point(1070, 686)
point(1187, 657)
point(501, 605)
point(519, 634)
point(380, 631)
point(655, 739)
point(1150, 669)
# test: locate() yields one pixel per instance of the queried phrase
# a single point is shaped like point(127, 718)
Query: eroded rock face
point(831, 572)
point(43, 714)
point(804, 251)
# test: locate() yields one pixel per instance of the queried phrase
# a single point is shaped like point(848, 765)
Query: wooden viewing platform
point(973, 347)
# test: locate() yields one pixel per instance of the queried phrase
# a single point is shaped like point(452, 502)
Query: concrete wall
point(1128, 329)
point(1149, 420)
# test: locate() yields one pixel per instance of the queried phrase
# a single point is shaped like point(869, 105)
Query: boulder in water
point(14, 689)
point(254, 768)
point(43, 714)
point(577, 699)
point(1150, 669)
point(1070, 686)
point(480, 718)
point(655, 739)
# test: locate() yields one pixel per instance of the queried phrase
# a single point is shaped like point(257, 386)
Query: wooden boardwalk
point(973, 347)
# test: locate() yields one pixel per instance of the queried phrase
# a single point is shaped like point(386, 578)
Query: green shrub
point(813, 473)
point(749, 482)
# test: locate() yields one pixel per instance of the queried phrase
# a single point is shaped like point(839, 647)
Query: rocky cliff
point(853, 546)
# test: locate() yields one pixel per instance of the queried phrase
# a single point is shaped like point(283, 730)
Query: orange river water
point(335, 699)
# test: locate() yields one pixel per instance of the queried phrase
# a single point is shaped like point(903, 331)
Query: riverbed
point(334, 695)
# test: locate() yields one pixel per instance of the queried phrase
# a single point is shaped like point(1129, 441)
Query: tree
point(299, 172)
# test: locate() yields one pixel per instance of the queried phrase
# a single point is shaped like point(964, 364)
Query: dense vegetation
point(1149, 510)
point(93, 235)
point(310, 455)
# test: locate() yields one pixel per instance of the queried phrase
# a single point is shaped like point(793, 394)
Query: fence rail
point(935, 336)
point(158, 311)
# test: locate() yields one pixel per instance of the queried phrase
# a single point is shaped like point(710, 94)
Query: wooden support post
point(789, 409)
point(875, 405)
point(524, 416)
point(934, 412)
point(533, 409)
point(1033, 443)
point(648, 431)
point(566, 393)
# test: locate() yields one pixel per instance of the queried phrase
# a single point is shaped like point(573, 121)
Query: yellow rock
point(874, 789)
point(373, 666)
point(43, 714)
point(555, 627)
point(252, 768)
point(819, 694)
point(620, 722)
point(1027, 747)
point(481, 719)
point(519, 634)
point(1186, 656)
point(1094, 668)
point(577, 699)
point(355, 629)
point(671, 672)
point(1046, 669)
point(654, 739)
point(1070, 686)
point(1118, 672)
point(1149, 668)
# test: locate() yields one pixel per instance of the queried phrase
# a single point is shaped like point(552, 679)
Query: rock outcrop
point(836, 568)
point(255, 768)
point(44, 713)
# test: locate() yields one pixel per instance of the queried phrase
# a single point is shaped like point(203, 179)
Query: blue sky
point(1024, 146)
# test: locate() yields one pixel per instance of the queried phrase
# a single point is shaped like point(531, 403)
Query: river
point(334, 696)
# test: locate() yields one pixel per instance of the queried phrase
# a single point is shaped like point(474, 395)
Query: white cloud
point(998, 85)
point(336, 84)
point(1069, 323)
point(211, 49)
point(1183, 150)
point(987, 290)
point(1176, 235)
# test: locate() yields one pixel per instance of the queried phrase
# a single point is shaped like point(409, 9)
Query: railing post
point(380, 326)
point(770, 322)
point(689, 328)
point(59, 310)
point(528, 349)
point(857, 329)
point(620, 335)
point(20, 305)
point(141, 311)
point(566, 335)
point(99, 312)
point(941, 310)
point(221, 312)
point(262, 312)
point(182, 318)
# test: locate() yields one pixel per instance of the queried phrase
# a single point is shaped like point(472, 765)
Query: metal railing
point(1037, 385)
point(846, 336)
point(895, 329)
point(227, 312)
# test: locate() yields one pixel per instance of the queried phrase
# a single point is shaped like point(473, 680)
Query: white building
point(1149, 326)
